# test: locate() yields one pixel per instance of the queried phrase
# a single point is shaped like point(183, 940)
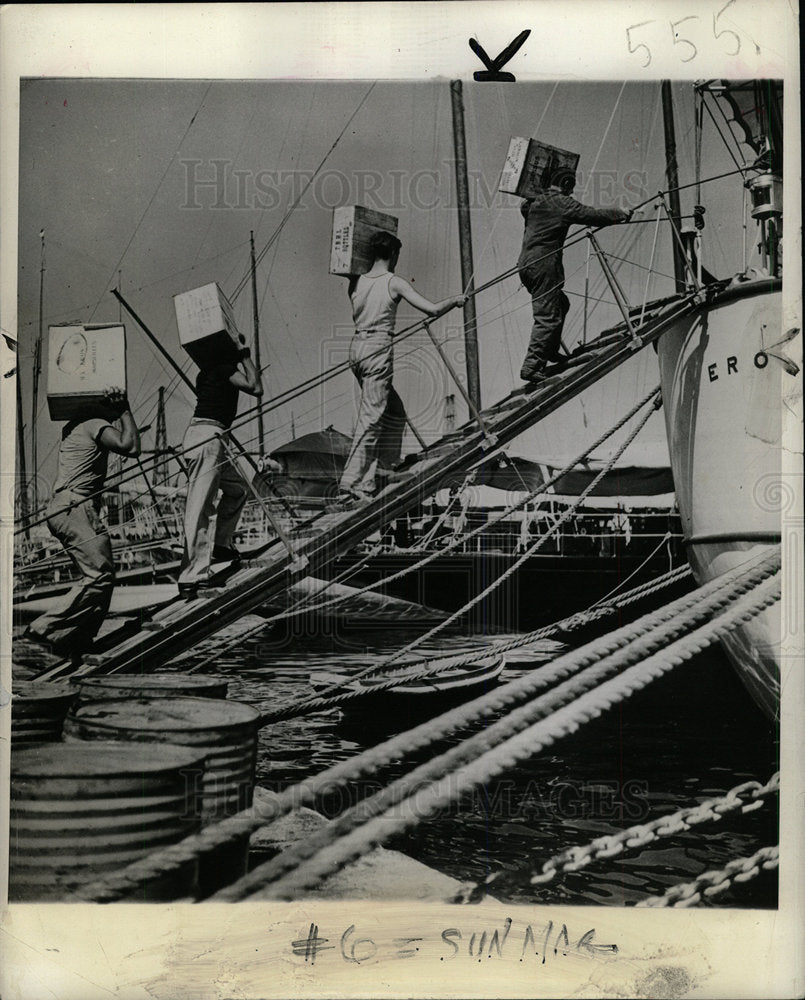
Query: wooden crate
point(84, 362)
point(530, 165)
point(207, 328)
point(353, 227)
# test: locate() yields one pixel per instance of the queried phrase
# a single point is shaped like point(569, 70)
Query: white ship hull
point(722, 402)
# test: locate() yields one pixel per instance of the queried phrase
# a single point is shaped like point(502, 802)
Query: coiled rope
point(633, 640)
point(419, 796)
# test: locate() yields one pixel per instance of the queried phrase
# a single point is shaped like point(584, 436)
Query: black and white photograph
point(401, 510)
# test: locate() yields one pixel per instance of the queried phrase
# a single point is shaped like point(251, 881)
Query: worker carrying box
point(532, 166)
point(353, 228)
point(207, 328)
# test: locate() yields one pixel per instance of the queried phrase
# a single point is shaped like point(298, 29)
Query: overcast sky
point(118, 174)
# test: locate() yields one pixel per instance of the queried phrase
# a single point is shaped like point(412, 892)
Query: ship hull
point(722, 396)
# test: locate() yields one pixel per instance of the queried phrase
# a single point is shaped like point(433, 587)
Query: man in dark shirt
point(548, 216)
point(209, 470)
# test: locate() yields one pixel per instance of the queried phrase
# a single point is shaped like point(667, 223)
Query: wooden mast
point(672, 178)
point(23, 481)
point(465, 242)
point(36, 374)
point(261, 447)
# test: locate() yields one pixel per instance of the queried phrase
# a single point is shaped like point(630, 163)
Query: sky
point(157, 185)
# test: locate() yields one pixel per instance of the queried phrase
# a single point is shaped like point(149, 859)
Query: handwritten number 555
point(634, 45)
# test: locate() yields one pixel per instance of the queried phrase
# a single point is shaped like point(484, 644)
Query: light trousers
point(209, 470)
point(381, 415)
point(74, 622)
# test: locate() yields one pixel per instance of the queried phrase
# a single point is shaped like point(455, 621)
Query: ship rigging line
point(627, 645)
point(431, 557)
point(275, 235)
point(116, 268)
point(317, 380)
point(424, 792)
point(565, 516)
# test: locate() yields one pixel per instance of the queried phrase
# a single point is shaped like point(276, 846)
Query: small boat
point(453, 685)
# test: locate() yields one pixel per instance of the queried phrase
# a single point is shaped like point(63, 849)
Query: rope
point(565, 516)
point(700, 603)
point(451, 546)
point(712, 883)
point(430, 788)
point(746, 797)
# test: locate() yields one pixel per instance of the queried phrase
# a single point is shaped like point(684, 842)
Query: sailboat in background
point(721, 372)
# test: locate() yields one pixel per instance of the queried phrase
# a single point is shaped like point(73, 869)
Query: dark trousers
point(549, 305)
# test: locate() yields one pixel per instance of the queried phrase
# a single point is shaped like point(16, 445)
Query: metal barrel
point(80, 810)
point(117, 686)
point(225, 730)
point(38, 710)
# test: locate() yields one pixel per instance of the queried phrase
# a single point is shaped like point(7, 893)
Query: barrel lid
point(101, 759)
point(33, 690)
point(166, 714)
point(166, 681)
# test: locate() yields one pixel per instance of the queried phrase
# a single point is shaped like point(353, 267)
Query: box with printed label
point(207, 328)
point(531, 166)
point(353, 227)
point(85, 361)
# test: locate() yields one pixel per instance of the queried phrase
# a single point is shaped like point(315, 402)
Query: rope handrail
point(536, 546)
point(35, 518)
point(450, 547)
point(700, 602)
point(430, 788)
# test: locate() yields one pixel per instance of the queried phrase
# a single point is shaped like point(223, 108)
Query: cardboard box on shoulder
point(207, 328)
point(84, 362)
point(530, 166)
point(353, 227)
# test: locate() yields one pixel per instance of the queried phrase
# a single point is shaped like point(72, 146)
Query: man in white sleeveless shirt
point(381, 414)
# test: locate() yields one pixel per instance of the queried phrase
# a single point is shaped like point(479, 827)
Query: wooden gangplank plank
point(182, 624)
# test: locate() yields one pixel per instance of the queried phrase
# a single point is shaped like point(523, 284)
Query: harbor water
point(690, 736)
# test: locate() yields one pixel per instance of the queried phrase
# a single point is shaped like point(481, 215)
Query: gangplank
point(181, 624)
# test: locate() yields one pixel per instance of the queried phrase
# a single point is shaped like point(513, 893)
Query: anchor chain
point(711, 883)
point(746, 797)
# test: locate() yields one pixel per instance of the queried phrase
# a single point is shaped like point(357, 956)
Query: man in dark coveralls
point(548, 216)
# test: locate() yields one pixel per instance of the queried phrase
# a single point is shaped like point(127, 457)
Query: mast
point(465, 241)
point(261, 447)
point(672, 178)
point(23, 485)
point(160, 474)
point(36, 374)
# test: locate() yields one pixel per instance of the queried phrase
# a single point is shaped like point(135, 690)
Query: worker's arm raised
point(401, 288)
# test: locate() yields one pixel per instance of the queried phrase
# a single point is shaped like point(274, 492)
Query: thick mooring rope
point(635, 639)
point(418, 797)
point(435, 667)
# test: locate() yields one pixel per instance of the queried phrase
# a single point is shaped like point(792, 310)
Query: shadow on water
point(689, 736)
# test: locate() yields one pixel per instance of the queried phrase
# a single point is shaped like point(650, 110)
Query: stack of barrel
point(114, 768)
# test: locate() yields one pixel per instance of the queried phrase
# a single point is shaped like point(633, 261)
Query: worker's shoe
point(222, 554)
point(393, 475)
point(533, 376)
point(349, 499)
